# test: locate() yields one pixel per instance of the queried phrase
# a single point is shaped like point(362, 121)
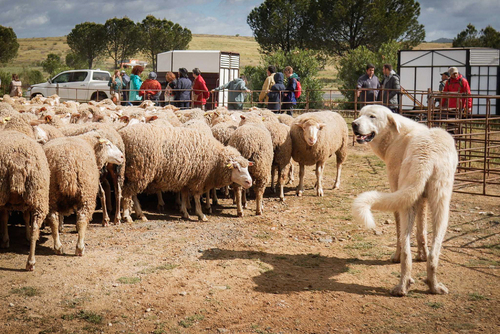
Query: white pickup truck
point(75, 85)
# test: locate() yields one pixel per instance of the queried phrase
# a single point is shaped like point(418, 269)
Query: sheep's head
point(239, 172)
point(310, 129)
point(112, 154)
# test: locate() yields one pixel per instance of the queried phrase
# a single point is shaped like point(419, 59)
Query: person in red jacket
point(200, 90)
point(151, 88)
point(457, 84)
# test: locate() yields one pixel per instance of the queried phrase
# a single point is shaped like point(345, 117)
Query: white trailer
point(217, 67)
point(420, 70)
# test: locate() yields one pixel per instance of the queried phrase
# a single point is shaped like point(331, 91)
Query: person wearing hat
point(151, 88)
point(459, 85)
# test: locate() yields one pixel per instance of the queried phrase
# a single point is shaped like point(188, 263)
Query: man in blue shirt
point(368, 80)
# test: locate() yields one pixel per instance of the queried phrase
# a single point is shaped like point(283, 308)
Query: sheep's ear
point(125, 119)
point(243, 116)
point(151, 118)
point(321, 125)
point(48, 118)
point(393, 121)
point(36, 122)
point(217, 113)
point(251, 163)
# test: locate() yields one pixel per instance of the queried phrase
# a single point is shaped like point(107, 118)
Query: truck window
point(62, 78)
point(101, 76)
point(78, 76)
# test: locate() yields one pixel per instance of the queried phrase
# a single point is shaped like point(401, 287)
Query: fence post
point(307, 100)
point(430, 106)
point(356, 100)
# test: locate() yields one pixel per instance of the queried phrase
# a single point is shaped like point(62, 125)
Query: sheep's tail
point(400, 199)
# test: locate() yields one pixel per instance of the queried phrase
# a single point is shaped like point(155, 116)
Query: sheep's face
point(112, 153)
point(240, 174)
point(310, 131)
point(40, 135)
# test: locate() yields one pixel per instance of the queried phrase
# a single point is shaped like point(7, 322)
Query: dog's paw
point(396, 257)
point(399, 291)
point(437, 289)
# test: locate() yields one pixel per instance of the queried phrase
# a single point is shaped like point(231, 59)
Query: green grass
point(360, 245)
point(477, 297)
point(152, 270)
point(129, 280)
point(88, 316)
point(26, 291)
point(435, 305)
point(191, 320)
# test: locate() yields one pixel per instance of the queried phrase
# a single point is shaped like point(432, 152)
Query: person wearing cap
point(151, 88)
point(457, 84)
point(126, 86)
point(182, 89)
point(444, 77)
point(200, 90)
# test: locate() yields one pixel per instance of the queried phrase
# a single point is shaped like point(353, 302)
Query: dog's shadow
point(284, 273)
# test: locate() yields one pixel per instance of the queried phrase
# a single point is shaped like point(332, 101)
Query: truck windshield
point(78, 76)
point(61, 78)
point(101, 76)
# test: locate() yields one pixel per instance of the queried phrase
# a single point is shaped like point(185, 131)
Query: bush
point(5, 77)
point(353, 65)
point(30, 77)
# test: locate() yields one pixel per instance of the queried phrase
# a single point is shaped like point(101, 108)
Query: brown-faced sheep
point(316, 136)
point(255, 144)
point(74, 164)
point(24, 184)
point(178, 159)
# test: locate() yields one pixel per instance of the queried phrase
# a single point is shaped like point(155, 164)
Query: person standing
point(115, 86)
point(182, 89)
point(126, 87)
point(235, 96)
point(457, 84)
point(289, 99)
point(275, 92)
point(268, 83)
point(368, 80)
point(444, 78)
point(169, 94)
point(151, 88)
point(390, 88)
point(200, 90)
point(135, 84)
point(15, 87)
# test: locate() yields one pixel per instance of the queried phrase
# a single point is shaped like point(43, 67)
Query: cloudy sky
point(50, 18)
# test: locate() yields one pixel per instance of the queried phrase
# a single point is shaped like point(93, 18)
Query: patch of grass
point(462, 326)
point(263, 236)
point(353, 271)
point(88, 316)
point(309, 261)
point(435, 305)
point(476, 297)
point(73, 303)
point(152, 270)
point(129, 280)
point(26, 291)
point(263, 267)
point(360, 245)
point(257, 330)
point(482, 262)
point(191, 320)
point(160, 329)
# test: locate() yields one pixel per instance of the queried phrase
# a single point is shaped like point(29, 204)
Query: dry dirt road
point(302, 267)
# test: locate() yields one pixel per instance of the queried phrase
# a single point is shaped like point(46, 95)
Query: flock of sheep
point(57, 157)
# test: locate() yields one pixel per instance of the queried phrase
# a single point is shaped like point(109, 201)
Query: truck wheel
point(102, 96)
point(34, 95)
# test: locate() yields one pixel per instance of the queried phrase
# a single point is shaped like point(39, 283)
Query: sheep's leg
point(138, 209)
point(244, 198)
point(53, 218)
point(161, 203)
point(216, 199)
point(237, 196)
point(320, 166)
point(184, 200)
point(226, 191)
point(259, 195)
point(4, 220)
point(188, 201)
point(102, 196)
point(35, 231)
point(290, 174)
point(207, 201)
point(27, 224)
point(107, 192)
point(61, 223)
point(198, 210)
point(339, 172)
point(178, 200)
point(281, 183)
point(126, 209)
point(273, 174)
point(118, 194)
point(300, 187)
point(82, 220)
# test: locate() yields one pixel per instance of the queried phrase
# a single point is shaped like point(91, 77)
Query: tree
point(335, 26)
point(280, 25)
point(8, 44)
point(488, 37)
point(52, 64)
point(88, 40)
point(122, 39)
point(75, 61)
point(162, 35)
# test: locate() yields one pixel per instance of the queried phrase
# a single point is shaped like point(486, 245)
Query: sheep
point(286, 119)
point(177, 159)
point(255, 144)
point(74, 164)
point(24, 185)
point(317, 136)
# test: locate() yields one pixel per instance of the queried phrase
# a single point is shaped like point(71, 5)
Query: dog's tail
point(400, 199)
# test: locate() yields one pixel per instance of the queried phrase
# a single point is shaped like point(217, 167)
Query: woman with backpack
point(15, 88)
point(292, 87)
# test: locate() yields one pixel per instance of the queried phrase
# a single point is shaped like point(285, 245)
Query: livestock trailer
point(421, 70)
point(217, 67)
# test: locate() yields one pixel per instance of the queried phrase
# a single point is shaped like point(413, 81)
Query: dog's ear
point(393, 121)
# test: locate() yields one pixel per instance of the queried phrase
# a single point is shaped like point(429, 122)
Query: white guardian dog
point(421, 164)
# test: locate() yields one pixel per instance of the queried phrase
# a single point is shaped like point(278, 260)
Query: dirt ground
point(302, 267)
